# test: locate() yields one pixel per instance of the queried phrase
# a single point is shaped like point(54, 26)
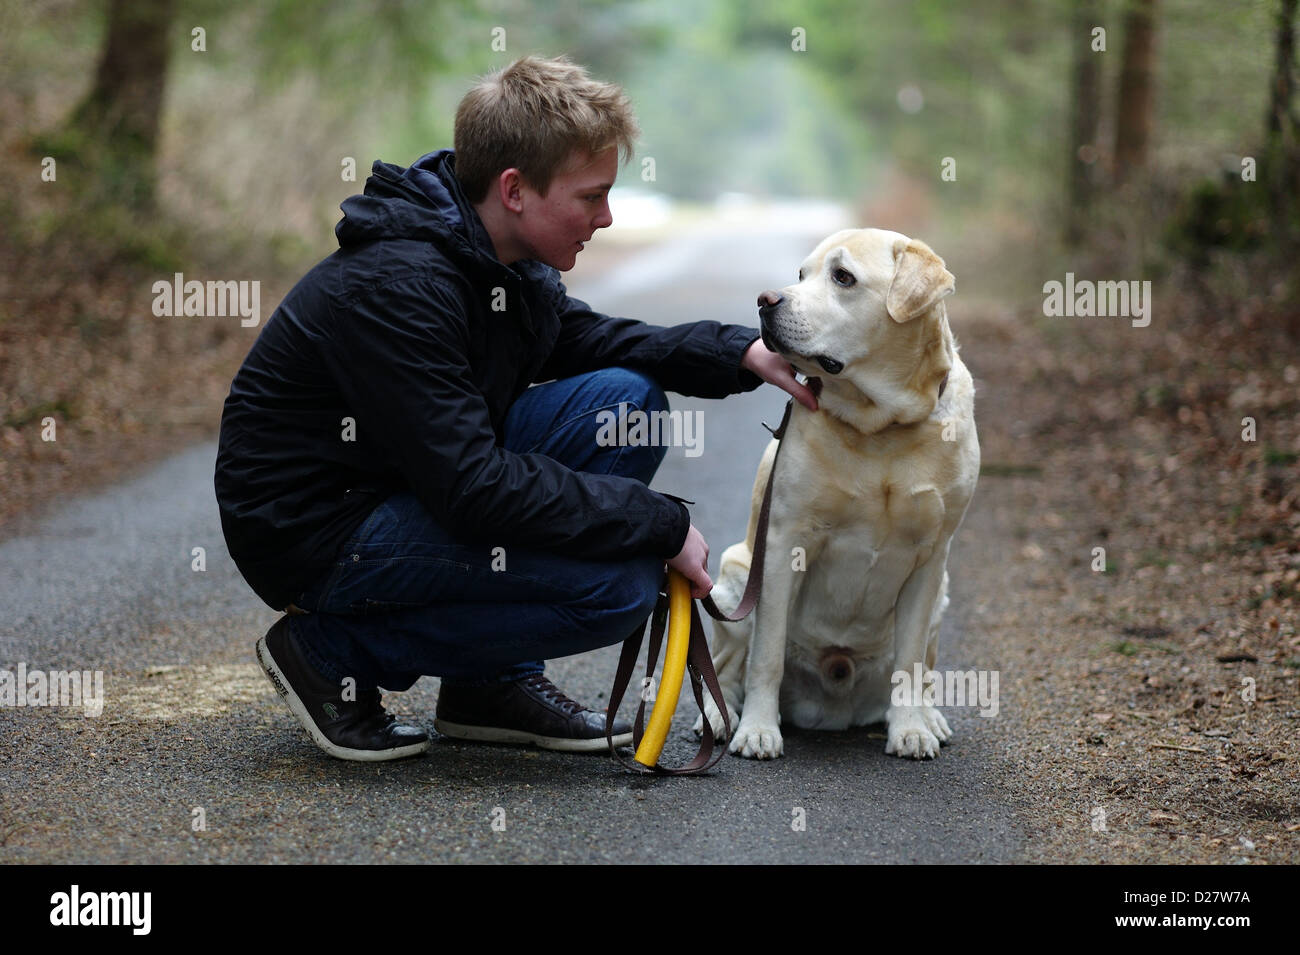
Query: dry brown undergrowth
point(1157, 697)
point(79, 344)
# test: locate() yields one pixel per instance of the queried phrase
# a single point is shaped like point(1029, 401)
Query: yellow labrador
point(870, 489)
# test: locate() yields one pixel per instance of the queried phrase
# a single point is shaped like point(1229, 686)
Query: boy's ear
point(508, 185)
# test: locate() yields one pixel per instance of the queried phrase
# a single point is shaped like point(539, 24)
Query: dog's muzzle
point(768, 303)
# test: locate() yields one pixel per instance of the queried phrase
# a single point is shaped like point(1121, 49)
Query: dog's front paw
point(915, 731)
point(714, 717)
point(756, 740)
point(936, 724)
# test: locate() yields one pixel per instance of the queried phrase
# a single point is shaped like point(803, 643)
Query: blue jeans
point(404, 598)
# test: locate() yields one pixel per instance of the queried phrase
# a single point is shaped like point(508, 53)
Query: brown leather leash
point(699, 663)
point(700, 667)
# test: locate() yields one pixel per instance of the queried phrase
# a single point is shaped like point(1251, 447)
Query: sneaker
point(531, 710)
point(359, 729)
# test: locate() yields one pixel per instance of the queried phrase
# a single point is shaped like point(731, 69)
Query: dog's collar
point(815, 386)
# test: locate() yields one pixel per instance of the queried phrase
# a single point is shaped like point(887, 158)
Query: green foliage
point(993, 469)
point(988, 76)
point(1226, 213)
point(59, 408)
point(751, 122)
point(110, 171)
point(1280, 591)
point(259, 121)
point(354, 50)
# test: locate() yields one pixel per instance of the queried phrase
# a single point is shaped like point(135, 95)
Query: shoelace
point(553, 693)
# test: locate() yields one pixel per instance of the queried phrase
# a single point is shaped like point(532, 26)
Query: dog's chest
point(860, 536)
point(884, 506)
point(849, 586)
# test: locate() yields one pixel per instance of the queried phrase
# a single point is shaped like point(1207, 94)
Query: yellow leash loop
point(679, 640)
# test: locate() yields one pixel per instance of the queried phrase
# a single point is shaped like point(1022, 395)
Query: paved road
point(189, 722)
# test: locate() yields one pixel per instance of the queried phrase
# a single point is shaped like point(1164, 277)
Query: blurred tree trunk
point(1283, 160)
point(1133, 108)
point(116, 125)
point(1085, 112)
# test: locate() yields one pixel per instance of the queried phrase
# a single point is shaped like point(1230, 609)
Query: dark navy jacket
point(396, 331)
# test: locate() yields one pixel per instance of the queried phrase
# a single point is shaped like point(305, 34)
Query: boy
point(387, 476)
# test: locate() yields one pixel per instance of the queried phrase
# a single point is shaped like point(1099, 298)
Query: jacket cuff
point(734, 351)
point(681, 526)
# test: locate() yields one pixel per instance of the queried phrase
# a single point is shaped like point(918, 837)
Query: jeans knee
point(635, 387)
point(636, 394)
point(647, 578)
point(630, 594)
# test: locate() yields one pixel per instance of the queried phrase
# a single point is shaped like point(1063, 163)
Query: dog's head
point(867, 310)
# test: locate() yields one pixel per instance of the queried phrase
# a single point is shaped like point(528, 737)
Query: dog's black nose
point(769, 299)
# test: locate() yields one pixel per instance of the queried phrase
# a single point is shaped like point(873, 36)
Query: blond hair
point(532, 115)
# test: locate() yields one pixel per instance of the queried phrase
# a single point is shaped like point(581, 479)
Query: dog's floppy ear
point(920, 281)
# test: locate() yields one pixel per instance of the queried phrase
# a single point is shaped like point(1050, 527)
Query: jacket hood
point(425, 202)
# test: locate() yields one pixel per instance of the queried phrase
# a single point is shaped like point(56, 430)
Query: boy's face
point(554, 227)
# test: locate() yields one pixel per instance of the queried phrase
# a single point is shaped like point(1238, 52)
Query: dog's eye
point(843, 277)
point(801, 275)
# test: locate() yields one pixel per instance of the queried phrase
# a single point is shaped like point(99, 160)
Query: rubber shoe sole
point(281, 684)
point(494, 734)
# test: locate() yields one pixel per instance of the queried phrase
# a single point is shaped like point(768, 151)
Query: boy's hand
point(771, 367)
point(693, 562)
